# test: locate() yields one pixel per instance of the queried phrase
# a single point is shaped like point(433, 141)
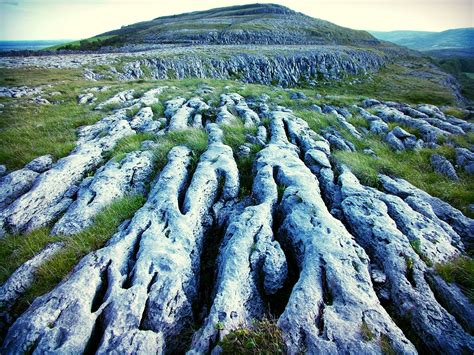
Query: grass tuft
point(234, 136)
point(263, 337)
point(461, 271)
point(367, 334)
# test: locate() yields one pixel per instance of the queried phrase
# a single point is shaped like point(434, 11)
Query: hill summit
point(247, 24)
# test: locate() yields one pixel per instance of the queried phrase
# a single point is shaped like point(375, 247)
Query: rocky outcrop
point(285, 69)
point(116, 179)
point(340, 266)
point(23, 277)
point(443, 166)
point(406, 288)
point(465, 160)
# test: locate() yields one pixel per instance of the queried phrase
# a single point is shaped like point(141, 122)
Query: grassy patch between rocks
point(461, 271)
point(15, 250)
point(413, 166)
point(234, 136)
point(263, 337)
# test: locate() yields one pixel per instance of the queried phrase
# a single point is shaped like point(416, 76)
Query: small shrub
point(280, 190)
point(416, 245)
point(263, 337)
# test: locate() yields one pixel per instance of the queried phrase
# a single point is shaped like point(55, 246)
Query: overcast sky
point(74, 19)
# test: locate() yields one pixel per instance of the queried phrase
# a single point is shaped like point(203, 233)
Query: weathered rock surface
point(86, 98)
point(443, 166)
point(14, 185)
point(17, 92)
point(342, 267)
point(406, 288)
point(49, 196)
point(40, 164)
point(431, 207)
point(23, 277)
point(183, 114)
point(112, 181)
point(465, 160)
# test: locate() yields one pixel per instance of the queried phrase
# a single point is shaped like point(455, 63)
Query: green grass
point(17, 249)
point(263, 337)
point(28, 130)
point(367, 334)
point(85, 44)
point(395, 83)
point(193, 138)
point(234, 136)
point(461, 271)
point(454, 111)
point(413, 166)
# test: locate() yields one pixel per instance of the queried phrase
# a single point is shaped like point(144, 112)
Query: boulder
point(394, 142)
point(40, 164)
point(443, 166)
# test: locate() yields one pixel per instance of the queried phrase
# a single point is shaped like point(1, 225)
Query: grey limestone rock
point(112, 181)
point(140, 287)
point(40, 164)
point(317, 316)
point(118, 100)
point(408, 291)
point(86, 98)
point(394, 142)
point(443, 166)
point(429, 206)
point(23, 277)
point(48, 196)
point(14, 185)
point(465, 160)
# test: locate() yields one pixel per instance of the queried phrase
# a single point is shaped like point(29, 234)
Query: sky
point(76, 19)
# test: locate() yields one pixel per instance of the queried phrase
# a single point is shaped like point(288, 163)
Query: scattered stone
point(87, 98)
point(41, 101)
point(394, 142)
point(3, 170)
point(17, 92)
point(371, 102)
point(40, 164)
point(443, 166)
point(298, 96)
point(464, 159)
point(370, 152)
point(149, 145)
point(243, 151)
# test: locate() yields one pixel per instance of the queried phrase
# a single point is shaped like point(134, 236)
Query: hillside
point(248, 24)
point(453, 39)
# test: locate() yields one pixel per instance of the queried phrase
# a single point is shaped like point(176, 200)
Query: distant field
point(470, 75)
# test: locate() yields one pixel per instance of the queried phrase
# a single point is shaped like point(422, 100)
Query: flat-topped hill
point(247, 24)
